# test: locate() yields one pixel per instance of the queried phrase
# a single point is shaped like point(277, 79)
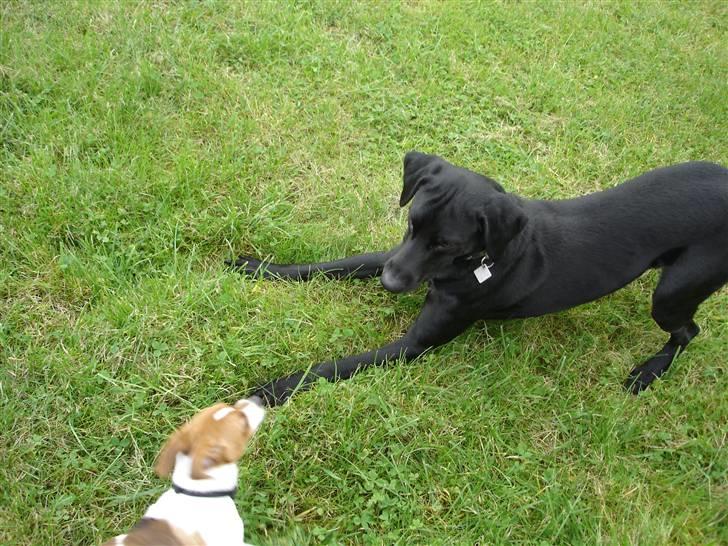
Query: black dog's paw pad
point(645, 374)
point(268, 395)
point(280, 391)
point(245, 264)
point(638, 380)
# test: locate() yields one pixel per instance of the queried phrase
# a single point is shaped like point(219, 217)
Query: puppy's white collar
point(223, 478)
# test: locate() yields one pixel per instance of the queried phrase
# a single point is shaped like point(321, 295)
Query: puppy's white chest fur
point(214, 519)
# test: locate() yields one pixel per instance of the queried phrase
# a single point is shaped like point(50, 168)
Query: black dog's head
point(456, 213)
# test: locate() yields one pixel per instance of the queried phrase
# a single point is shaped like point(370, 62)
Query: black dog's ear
point(503, 219)
point(415, 174)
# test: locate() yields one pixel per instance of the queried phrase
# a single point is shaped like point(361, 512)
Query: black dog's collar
point(207, 494)
point(481, 257)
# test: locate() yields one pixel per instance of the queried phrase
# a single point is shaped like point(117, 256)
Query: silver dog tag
point(482, 273)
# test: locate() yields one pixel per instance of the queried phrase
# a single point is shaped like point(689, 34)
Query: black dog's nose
point(392, 282)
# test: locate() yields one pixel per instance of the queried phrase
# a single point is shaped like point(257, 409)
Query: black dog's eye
point(439, 245)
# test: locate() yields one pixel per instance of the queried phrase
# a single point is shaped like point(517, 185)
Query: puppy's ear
point(502, 220)
point(216, 452)
point(416, 173)
point(204, 457)
point(165, 461)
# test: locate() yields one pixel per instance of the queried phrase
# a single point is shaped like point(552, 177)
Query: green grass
point(142, 144)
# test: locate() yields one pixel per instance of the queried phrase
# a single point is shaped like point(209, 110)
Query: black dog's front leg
point(361, 266)
point(436, 324)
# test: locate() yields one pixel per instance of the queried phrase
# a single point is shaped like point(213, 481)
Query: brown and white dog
point(202, 456)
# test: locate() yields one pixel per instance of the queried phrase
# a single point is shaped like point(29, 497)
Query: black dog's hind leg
point(643, 375)
point(683, 286)
point(361, 266)
point(437, 323)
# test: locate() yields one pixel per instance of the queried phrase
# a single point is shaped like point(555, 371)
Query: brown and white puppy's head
point(215, 436)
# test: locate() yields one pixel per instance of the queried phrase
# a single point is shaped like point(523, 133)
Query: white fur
point(216, 519)
point(222, 478)
point(222, 413)
point(254, 414)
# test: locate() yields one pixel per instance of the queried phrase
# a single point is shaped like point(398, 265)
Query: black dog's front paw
point(245, 264)
point(279, 391)
point(645, 374)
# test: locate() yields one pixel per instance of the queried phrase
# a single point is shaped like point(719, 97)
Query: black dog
point(488, 254)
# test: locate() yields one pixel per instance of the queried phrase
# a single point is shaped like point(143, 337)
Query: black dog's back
point(680, 202)
point(600, 242)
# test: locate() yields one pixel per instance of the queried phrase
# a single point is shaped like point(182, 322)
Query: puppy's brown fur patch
point(208, 441)
point(155, 532)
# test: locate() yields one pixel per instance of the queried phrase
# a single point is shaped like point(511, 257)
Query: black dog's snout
point(394, 279)
point(392, 282)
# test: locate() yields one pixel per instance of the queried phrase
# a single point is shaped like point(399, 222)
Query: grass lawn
point(143, 144)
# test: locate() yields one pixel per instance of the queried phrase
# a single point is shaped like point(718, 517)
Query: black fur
point(547, 256)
